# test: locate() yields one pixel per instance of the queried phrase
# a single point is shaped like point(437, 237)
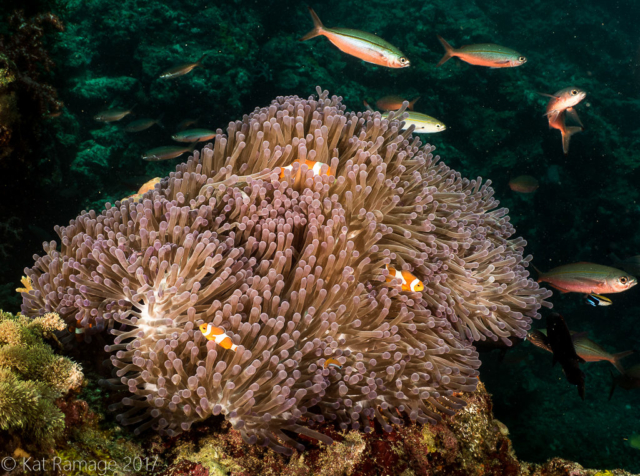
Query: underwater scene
point(334, 238)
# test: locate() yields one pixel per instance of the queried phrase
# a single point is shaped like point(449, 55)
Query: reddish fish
point(393, 103)
point(592, 352)
point(585, 348)
point(485, 54)
point(562, 100)
point(587, 278)
point(524, 184)
point(366, 46)
point(560, 123)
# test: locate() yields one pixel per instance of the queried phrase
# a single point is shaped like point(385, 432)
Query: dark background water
point(586, 207)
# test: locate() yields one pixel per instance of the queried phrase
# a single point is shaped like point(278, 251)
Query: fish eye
point(438, 126)
point(624, 280)
point(574, 92)
point(403, 60)
point(522, 59)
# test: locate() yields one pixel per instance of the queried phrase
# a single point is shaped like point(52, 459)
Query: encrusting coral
point(292, 264)
point(32, 377)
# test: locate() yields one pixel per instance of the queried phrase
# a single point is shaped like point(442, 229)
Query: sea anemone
point(292, 263)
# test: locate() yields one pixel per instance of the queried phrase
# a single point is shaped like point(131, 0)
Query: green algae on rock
point(32, 377)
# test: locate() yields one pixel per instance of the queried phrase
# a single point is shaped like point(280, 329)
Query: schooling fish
point(560, 123)
point(167, 152)
point(597, 300)
point(393, 103)
point(524, 184)
point(331, 362)
point(587, 278)
point(408, 280)
point(194, 135)
point(143, 124)
point(485, 54)
point(112, 115)
point(424, 124)
point(315, 167)
point(629, 379)
point(562, 100)
point(559, 339)
point(366, 46)
point(218, 335)
point(181, 69)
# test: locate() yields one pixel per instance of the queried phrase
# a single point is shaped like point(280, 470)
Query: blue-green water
point(585, 209)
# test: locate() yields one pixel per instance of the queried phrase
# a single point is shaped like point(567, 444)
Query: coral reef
point(291, 263)
point(32, 378)
point(586, 207)
point(23, 54)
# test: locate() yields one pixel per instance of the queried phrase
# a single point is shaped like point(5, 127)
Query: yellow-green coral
point(32, 377)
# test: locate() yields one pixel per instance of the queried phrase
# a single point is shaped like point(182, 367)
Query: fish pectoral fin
point(573, 115)
point(552, 115)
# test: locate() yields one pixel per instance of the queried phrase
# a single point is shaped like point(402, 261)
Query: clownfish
point(409, 281)
point(331, 362)
point(218, 335)
point(597, 300)
point(313, 166)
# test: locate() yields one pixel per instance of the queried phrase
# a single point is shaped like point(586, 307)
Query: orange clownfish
point(409, 281)
point(218, 335)
point(313, 166)
point(331, 362)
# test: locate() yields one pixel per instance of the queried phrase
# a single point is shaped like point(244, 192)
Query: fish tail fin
point(619, 356)
point(318, 27)
point(413, 102)
point(566, 137)
point(537, 271)
point(199, 62)
point(613, 385)
point(366, 104)
point(448, 51)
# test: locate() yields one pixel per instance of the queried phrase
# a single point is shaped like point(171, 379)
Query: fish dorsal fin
point(579, 335)
point(548, 95)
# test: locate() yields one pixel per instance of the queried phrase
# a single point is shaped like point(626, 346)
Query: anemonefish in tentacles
point(331, 362)
point(313, 166)
point(409, 281)
point(218, 335)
